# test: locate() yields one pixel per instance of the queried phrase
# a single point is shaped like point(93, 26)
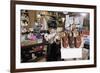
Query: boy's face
point(52, 30)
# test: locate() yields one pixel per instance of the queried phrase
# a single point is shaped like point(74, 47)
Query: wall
point(32, 17)
point(5, 36)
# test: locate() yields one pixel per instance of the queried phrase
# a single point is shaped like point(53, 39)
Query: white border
point(52, 64)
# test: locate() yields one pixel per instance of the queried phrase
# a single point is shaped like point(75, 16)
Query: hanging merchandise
point(43, 23)
point(71, 20)
point(24, 17)
point(36, 27)
point(67, 24)
point(26, 23)
point(81, 21)
point(77, 20)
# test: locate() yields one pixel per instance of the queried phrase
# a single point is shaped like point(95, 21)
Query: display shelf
point(27, 32)
point(31, 45)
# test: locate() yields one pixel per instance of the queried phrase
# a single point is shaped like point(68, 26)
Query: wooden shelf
point(32, 45)
point(42, 31)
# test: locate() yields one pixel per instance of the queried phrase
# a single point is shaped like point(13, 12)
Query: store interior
point(45, 33)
